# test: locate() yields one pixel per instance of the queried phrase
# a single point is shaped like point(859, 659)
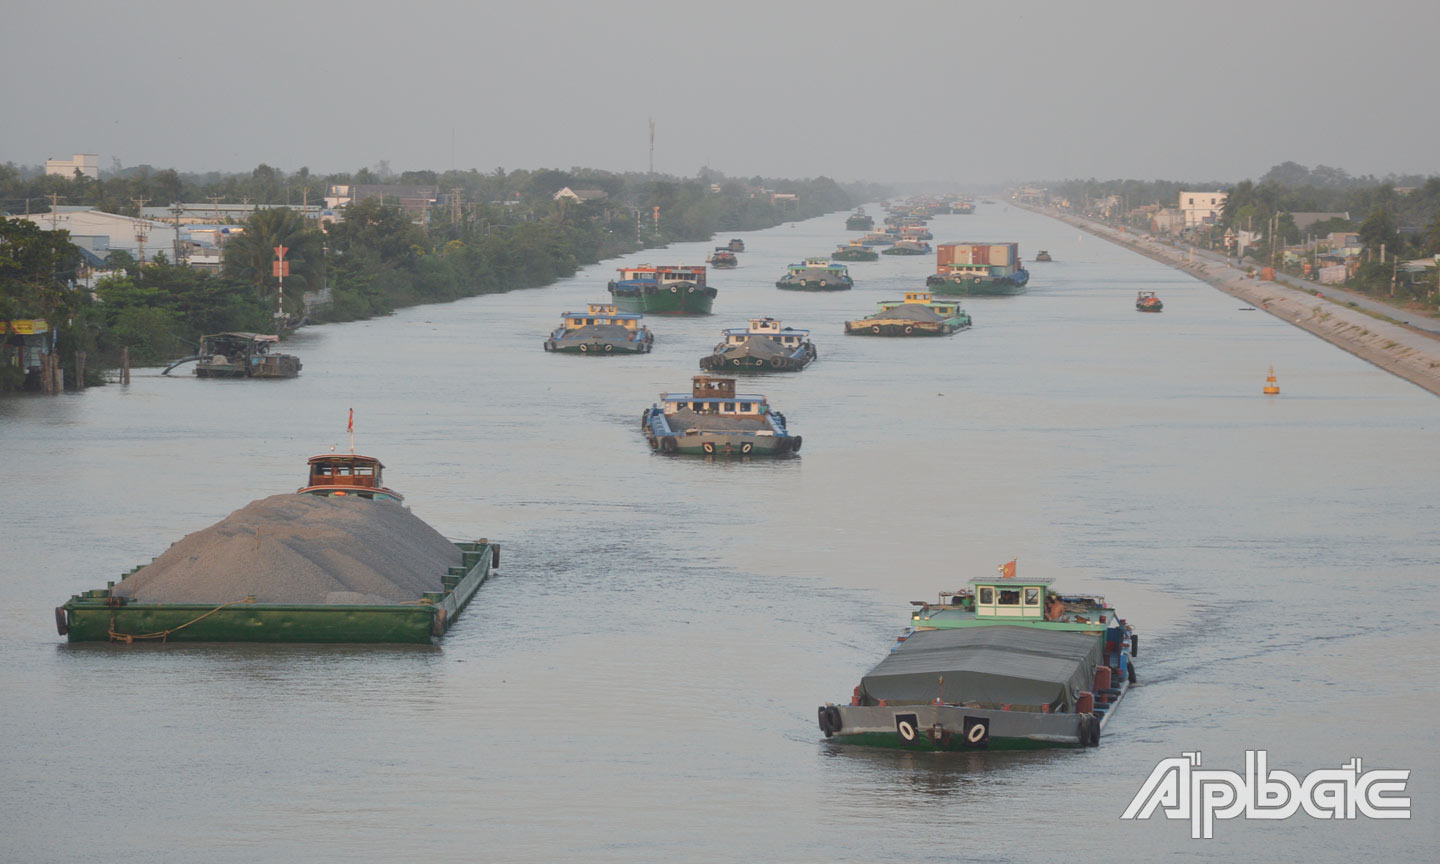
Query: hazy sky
point(876, 90)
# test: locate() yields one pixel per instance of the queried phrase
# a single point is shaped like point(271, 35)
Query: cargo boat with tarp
point(877, 238)
point(602, 329)
point(735, 245)
point(723, 259)
point(764, 346)
point(978, 269)
point(909, 247)
point(860, 221)
point(713, 420)
point(664, 290)
point(240, 355)
point(919, 314)
point(342, 561)
point(854, 251)
point(1006, 664)
point(816, 274)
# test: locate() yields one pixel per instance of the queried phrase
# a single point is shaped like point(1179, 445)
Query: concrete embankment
point(1397, 348)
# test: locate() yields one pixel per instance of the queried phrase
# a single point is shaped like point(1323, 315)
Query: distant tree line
point(492, 232)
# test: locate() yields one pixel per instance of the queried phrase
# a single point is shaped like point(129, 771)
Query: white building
point(87, 164)
point(102, 231)
point(1201, 208)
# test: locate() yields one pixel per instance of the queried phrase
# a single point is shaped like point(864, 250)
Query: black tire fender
point(1130, 672)
point(62, 624)
point(822, 714)
point(494, 556)
point(795, 444)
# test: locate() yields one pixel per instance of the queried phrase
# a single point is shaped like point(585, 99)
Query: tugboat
point(917, 315)
point(763, 347)
point(723, 259)
point(855, 251)
point(736, 245)
point(665, 290)
point(816, 274)
point(1042, 255)
point(909, 247)
point(859, 221)
point(1146, 301)
point(713, 420)
point(1006, 664)
point(604, 329)
point(336, 475)
point(240, 355)
point(978, 269)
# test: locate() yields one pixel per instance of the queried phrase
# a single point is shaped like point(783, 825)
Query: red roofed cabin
point(341, 474)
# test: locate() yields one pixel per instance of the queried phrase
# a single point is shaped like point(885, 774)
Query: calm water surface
point(640, 682)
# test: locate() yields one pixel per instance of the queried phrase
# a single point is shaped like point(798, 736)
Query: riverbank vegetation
point(1397, 219)
point(485, 233)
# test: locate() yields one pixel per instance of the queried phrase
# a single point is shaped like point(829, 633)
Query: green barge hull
point(696, 301)
point(96, 616)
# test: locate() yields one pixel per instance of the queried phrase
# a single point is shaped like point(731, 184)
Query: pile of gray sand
point(909, 312)
point(597, 331)
point(301, 549)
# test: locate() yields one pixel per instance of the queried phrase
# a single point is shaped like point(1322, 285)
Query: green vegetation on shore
point(492, 232)
point(1397, 218)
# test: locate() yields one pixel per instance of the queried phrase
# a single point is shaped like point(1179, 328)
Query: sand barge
point(292, 568)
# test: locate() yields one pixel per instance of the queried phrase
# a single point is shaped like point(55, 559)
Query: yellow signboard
point(29, 326)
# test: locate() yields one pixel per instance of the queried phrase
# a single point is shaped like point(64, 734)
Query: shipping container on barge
point(342, 561)
point(664, 290)
point(978, 269)
point(1006, 664)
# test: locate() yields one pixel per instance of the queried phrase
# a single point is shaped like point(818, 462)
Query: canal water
point(640, 682)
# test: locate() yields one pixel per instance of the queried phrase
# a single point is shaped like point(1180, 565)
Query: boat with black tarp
point(919, 314)
point(1006, 664)
point(601, 329)
point(764, 346)
point(816, 274)
point(713, 420)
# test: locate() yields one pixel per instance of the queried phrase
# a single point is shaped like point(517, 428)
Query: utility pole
point(54, 208)
point(177, 209)
point(141, 229)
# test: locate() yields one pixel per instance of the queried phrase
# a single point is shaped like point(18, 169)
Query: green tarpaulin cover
point(993, 666)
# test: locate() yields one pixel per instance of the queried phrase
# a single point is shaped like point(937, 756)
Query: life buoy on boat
point(674, 290)
point(746, 447)
point(609, 348)
point(823, 283)
point(875, 328)
point(708, 447)
point(736, 361)
point(584, 349)
point(909, 329)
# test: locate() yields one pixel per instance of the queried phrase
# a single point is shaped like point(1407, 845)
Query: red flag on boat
point(350, 427)
point(1007, 571)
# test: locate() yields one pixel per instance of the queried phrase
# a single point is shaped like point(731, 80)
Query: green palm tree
point(249, 256)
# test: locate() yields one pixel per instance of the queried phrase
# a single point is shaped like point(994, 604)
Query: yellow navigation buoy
point(1271, 387)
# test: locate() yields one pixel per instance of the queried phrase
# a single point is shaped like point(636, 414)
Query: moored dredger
point(713, 420)
point(1005, 664)
point(764, 346)
point(603, 329)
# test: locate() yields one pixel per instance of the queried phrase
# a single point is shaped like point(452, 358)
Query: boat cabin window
point(987, 596)
point(1009, 597)
point(681, 406)
point(1032, 596)
point(745, 406)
